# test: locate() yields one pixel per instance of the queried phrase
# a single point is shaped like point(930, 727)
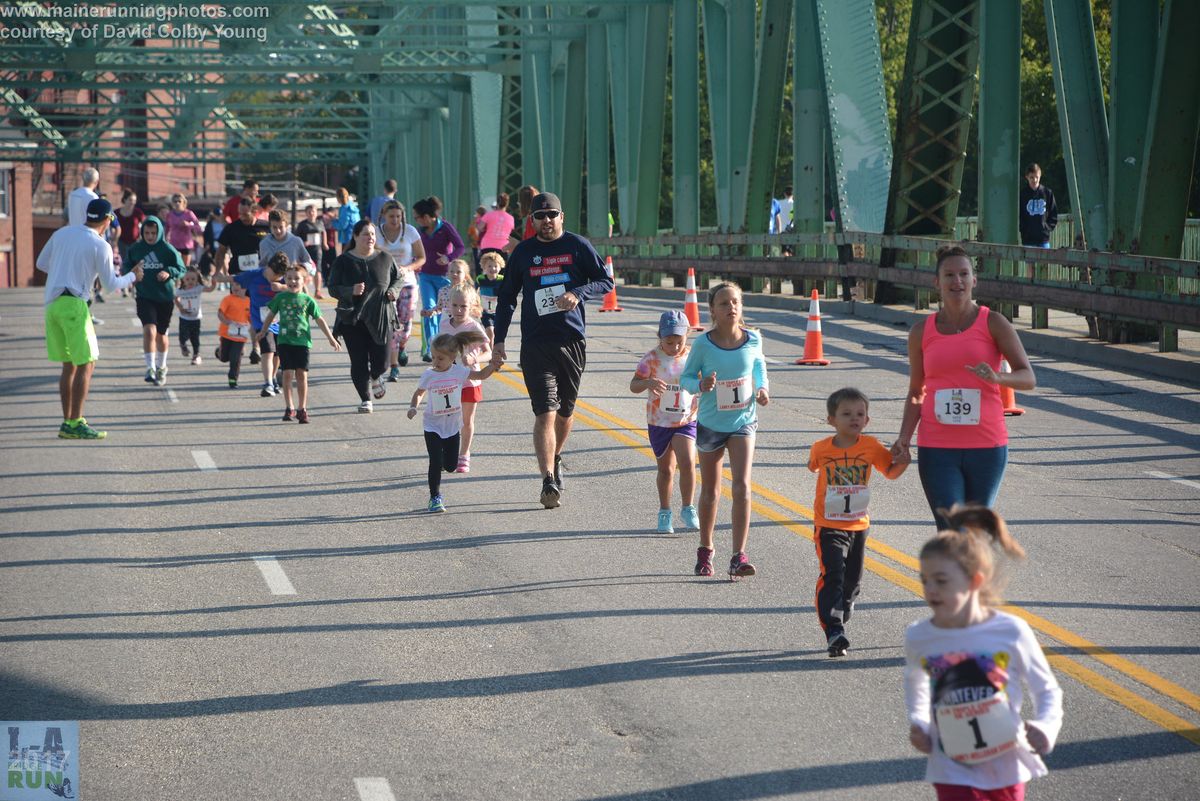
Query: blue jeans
point(430, 285)
point(960, 475)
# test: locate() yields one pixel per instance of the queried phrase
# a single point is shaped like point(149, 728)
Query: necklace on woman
point(958, 326)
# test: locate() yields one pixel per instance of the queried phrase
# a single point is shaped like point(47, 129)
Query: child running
point(459, 273)
point(161, 267)
point(261, 285)
point(491, 264)
point(444, 380)
point(670, 419)
point(187, 300)
point(463, 317)
point(294, 340)
point(234, 316)
point(967, 666)
point(727, 366)
point(843, 465)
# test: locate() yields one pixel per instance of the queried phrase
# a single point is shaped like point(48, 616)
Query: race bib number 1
point(544, 299)
point(977, 731)
point(446, 400)
point(957, 407)
point(489, 304)
point(676, 403)
point(847, 502)
point(238, 330)
point(733, 394)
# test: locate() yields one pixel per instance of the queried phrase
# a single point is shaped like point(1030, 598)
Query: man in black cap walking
point(557, 272)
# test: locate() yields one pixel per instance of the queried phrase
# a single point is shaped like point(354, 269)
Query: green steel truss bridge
point(461, 97)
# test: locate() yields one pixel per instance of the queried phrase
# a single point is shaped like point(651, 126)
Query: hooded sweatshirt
point(156, 258)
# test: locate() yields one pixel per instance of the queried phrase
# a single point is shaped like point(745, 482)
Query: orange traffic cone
point(1008, 398)
point(814, 349)
point(691, 306)
point(610, 299)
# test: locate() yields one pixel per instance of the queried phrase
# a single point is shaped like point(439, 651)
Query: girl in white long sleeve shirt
point(967, 667)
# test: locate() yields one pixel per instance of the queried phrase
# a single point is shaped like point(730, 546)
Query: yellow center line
point(1130, 700)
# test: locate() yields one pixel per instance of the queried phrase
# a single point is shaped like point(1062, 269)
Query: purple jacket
point(443, 241)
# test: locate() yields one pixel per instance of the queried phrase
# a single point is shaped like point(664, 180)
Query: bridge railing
point(1109, 287)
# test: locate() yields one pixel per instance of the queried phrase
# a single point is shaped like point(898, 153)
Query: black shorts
point(156, 313)
point(267, 343)
point(553, 371)
point(291, 357)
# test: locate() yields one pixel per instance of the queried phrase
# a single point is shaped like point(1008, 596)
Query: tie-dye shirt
point(675, 407)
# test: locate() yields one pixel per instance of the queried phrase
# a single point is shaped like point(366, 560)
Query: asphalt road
point(502, 651)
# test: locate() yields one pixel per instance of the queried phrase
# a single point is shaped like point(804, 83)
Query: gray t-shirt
point(292, 246)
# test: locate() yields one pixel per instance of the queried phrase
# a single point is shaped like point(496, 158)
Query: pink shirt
point(182, 228)
point(961, 410)
point(497, 224)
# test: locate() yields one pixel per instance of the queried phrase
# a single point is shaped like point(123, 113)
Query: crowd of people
point(966, 666)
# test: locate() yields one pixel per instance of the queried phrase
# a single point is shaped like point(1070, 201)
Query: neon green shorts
point(70, 335)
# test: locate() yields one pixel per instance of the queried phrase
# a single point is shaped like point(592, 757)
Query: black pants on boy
point(443, 455)
point(840, 554)
point(189, 331)
point(231, 351)
point(368, 358)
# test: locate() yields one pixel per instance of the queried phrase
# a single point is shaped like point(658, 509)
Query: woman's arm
point(418, 249)
point(1013, 351)
point(916, 389)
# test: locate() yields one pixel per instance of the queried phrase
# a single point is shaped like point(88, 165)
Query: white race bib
point(187, 305)
point(238, 330)
point(978, 731)
point(734, 393)
point(446, 400)
point(544, 299)
point(676, 403)
point(263, 313)
point(314, 239)
point(248, 262)
point(847, 502)
point(489, 303)
point(957, 407)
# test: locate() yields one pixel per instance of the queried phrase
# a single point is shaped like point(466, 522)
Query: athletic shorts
point(156, 313)
point(472, 394)
point(553, 371)
point(70, 335)
point(291, 357)
point(661, 436)
point(267, 343)
point(708, 440)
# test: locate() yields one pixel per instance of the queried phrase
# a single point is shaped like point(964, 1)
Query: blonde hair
point(715, 290)
point(457, 344)
point(491, 256)
point(975, 537)
point(471, 296)
point(466, 271)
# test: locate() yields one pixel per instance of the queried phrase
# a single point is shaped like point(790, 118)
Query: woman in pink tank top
point(954, 391)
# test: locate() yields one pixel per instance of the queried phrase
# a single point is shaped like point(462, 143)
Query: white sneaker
point(378, 388)
point(196, 359)
point(365, 407)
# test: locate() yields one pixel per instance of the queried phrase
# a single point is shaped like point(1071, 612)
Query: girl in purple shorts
point(670, 419)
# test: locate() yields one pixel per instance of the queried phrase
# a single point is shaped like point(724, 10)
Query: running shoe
point(184, 350)
point(160, 376)
point(66, 431)
point(425, 357)
point(550, 493)
point(302, 416)
point(689, 517)
point(464, 464)
point(704, 565)
point(558, 467)
point(664, 522)
point(366, 407)
point(394, 374)
point(847, 612)
point(378, 388)
point(403, 359)
point(254, 357)
point(268, 391)
point(195, 359)
point(288, 414)
point(740, 566)
point(217, 353)
point(233, 383)
point(100, 298)
point(838, 644)
point(149, 379)
point(82, 430)
point(436, 504)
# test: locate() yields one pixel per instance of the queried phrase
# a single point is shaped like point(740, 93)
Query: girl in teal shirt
point(726, 367)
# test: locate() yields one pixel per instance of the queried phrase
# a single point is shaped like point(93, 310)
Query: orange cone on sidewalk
point(610, 299)
point(691, 306)
point(1008, 398)
point(814, 348)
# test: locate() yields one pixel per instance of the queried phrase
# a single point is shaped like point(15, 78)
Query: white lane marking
point(203, 460)
point(171, 396)
point(1170, 477)
point(769, 360)
point(653, 328)
point(136, 322)
point(277, 581)
point(374, 790)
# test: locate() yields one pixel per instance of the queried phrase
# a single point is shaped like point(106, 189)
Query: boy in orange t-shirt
point(234, 314)
point(843, 465)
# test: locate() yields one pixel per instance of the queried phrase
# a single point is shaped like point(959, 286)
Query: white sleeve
point(111, 281)
point(916, 687)
point(1044, 690)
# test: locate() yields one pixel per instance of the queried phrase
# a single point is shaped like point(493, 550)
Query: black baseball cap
point(547, 201)
point(99, 209)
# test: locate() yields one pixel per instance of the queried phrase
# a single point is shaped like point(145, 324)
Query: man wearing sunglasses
point(556, 271)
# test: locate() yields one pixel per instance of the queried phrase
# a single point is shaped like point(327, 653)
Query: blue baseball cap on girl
point(672, 323)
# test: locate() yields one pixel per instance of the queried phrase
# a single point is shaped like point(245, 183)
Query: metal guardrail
point(1164, 293)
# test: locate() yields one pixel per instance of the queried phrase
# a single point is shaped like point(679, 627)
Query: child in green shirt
point(295, 309)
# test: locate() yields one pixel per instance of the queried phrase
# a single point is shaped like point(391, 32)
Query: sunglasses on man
point(546, 215)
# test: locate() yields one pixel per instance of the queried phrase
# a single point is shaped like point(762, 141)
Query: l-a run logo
point(42, 762)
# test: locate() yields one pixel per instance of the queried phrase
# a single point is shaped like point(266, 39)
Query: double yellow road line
point(635, 437)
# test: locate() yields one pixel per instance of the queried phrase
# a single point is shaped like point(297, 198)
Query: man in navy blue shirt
point(556, 272)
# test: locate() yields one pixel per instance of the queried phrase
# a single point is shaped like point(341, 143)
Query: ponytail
point(976, 535)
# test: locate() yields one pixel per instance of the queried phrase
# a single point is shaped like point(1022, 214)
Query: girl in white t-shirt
point(443, 419)
point(462, 316)
point(403, 243)
point(967, 667)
